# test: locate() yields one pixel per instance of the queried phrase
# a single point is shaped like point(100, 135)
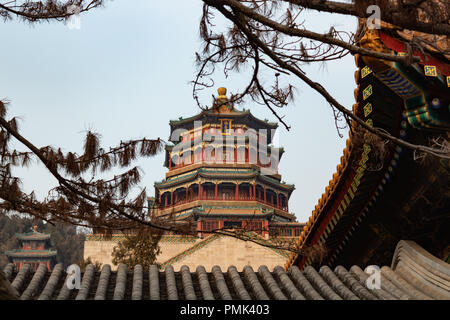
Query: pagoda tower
point(223, 174)
point(35, 250)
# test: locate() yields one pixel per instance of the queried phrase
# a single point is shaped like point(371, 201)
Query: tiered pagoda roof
point(222, 166)
point(225, 174)
point(35, 249)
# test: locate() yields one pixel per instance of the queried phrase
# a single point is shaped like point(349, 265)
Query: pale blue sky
point(125, 73)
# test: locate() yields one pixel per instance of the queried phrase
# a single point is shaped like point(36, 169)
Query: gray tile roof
point(414, 274)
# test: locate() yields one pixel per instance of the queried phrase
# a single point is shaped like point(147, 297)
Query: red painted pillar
point(250, 192)
point(165, 201)
point(170, 162)
point(199, 228)
point(172, 202)
point(266, 229)
point(254, 191)
point(235, 155)
point(236, 192)
point(199, 191)
point(216, 189)
point(265, 198)
point(203, 152)
point(278, 206)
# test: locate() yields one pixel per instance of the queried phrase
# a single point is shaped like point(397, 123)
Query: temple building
point(380, 195)
point(35, 250)
point(222, 175)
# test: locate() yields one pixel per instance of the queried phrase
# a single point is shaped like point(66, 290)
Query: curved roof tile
point(424, 277)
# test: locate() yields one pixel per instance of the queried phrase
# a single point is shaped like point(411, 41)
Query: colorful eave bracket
point(424, 86)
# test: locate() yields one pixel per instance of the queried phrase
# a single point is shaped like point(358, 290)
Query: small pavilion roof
point(33, 235)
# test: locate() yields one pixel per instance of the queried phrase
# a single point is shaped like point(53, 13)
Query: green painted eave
point(234, 113)
point(182, 120)
point(289, 187)
point(32, 236)
point(207, 172)
point(175, 180)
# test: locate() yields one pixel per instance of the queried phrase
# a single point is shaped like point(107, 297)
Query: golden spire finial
point(222, 93)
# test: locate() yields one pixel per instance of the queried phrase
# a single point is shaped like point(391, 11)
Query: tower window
point(232, 224)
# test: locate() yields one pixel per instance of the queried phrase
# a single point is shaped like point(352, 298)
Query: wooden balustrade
point(220, 197)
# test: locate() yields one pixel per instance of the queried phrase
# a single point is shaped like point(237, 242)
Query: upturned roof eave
point(207, 174)
point(32, 236)
point(175, 123)
point(27, 254)
point(289, 187)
